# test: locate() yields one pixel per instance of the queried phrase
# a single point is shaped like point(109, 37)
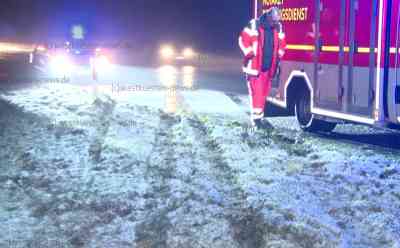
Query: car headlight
point(61, 64)
point(167, 52)
point(188, 53)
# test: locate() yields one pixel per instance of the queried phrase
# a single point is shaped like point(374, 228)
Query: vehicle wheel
point(306, 119)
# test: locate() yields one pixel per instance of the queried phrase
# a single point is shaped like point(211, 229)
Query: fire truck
point(342, 62)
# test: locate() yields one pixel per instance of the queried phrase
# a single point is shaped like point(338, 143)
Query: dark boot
point(262, 124)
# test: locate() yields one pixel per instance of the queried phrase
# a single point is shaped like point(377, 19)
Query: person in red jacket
point(263, 44)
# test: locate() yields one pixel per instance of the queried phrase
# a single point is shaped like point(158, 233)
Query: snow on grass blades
point(182, 179)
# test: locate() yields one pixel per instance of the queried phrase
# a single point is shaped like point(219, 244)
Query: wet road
point(226, 78)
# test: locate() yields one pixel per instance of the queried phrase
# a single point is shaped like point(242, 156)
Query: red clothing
point(259, 87)
point(251, 42)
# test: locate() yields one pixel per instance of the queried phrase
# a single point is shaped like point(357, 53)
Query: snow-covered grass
point(82, 168)
point(319, 182)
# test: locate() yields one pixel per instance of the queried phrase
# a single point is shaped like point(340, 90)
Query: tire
point(306, 119)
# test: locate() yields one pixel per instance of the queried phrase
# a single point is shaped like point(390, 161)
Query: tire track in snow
point(103, 109)
point(268, 224)
point(246, 221)
point(186, 208)
point(152, 232)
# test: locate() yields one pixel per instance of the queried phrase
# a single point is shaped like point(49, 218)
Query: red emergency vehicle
point(342, 61)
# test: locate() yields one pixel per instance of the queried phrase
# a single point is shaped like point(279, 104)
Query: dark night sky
point(211, 25)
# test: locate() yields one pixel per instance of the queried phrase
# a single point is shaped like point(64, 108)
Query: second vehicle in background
point(169, 54)
point(71, 60)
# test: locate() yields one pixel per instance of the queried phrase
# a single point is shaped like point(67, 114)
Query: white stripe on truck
point(379, 62)
point(343, 116)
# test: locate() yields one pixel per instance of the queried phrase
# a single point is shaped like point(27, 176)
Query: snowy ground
point(88, 168)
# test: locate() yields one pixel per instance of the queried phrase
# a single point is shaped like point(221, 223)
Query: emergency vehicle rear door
point(361, 57)
point(327, 73)
point(346, 55)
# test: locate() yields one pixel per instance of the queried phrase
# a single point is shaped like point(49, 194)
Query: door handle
point(355, 45)
point(320, 45)
point(340, 92)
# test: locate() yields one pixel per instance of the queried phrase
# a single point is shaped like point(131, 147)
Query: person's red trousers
point(259, 87)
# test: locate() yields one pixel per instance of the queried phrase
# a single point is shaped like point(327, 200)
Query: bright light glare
point(188, 69)
point(188, 77)
point(13, 47)
point(167, 75)
point(41, 48)
point(102, 63)
point(167, 52)
point(61, 64)
point(188, 53)
point(168, 70)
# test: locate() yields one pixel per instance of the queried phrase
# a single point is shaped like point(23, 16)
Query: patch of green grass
point(234, 124)
point(296, 150)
